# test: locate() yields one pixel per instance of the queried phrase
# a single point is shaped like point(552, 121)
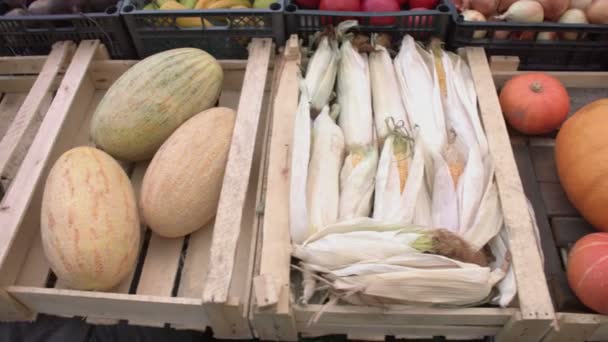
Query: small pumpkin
point(582, 162)
point(588, 271)
point(535, 103)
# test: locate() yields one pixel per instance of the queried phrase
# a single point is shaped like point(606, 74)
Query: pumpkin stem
point(536, 87)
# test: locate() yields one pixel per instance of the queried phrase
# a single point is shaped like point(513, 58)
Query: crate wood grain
point(172, 275)
point(275, 316)
point(559, 223)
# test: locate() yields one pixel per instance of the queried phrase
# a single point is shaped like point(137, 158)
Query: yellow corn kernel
point(456, 170)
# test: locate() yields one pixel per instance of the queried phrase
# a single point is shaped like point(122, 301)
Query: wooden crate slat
point(9, 106)
point(236, 179)
point(109, 305)
point(556, 201)
point(23, 128)
point(569, 79)
point(534, 299)
point(556, 277)
point(544, 163)
point(567, 230)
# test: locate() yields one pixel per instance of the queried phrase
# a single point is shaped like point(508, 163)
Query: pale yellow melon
point(89, 221)
point(181, 188)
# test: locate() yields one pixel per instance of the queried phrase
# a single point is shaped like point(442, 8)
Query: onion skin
point(504, 5)
point(580, 4)
point(554, 8)
point(572, 16)
point(546, 36)
point(524, 11)
point(485, 7)
point(473, 15)
point(597, 12)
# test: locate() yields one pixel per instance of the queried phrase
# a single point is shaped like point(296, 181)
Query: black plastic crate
point(155, 31)
point(421, 24)
point(36, 34)
point(588, 53)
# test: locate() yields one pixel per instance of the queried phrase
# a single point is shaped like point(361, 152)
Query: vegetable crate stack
point(564, 175)
point(31, 27)
point(392, 203)
point(129, 201)
point(422, 19)
point(224, 28)
point(544, 34)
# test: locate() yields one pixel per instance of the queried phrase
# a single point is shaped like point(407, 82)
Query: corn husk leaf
point(420, 93)
point(357, 182)
point(396, 198)
point(327, 155)
point(386, 96)
point(298, 212)
point(321, 72)
point(507, 288)
point(488, 220)
point(448, 168)
point(354, 96)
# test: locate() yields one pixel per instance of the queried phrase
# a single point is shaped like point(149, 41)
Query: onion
point(580, 4)
point(554, 8)
point(473, 15)
point(524, 11)
point(504, 5)
point(572, 16)
point(462, 5)
point(546, 36)
point(485, 7)
point(597, 12)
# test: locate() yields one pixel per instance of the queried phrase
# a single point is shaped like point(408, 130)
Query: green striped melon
point(154, 97)
point(89, 220)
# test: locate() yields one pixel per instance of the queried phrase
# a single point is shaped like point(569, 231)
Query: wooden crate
point(27, 86)
point(559, 223)
point(275, 316)
point(173, 276)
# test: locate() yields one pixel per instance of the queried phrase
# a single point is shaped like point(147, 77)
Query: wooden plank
point(562, 295)
point(556, 201)
point(428, 331)
point(544, 163)
point(533, 293)
point(110, 305)
point(576, 327)
point(9, 106)
point(64, 116)
point(567, 230)
point(23, 84)
point(276, 243)
point(23, 128)
point(521, 330)
point(236, 179)
point(22, 64)
point(397, 315)
point(568, 78)
point(504, 63)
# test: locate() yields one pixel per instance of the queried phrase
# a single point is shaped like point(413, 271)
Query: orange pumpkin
point(582, 161)
point(534, 103)
point(588, 271)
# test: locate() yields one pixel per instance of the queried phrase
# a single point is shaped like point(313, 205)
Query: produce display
point(581, 161)
point(152, 99)
point(41, 7)
point(535, 103)
point(534, 12)
point(90, 222)
point(587, 269)
point(368, 6)
point(181, 187)
point(206, 4)
point(392, 192)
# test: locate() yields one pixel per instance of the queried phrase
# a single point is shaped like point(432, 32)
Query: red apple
point(381, 6)
point(310, 4)
point(428, 4)
point(420, 20)
point(340, 5)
